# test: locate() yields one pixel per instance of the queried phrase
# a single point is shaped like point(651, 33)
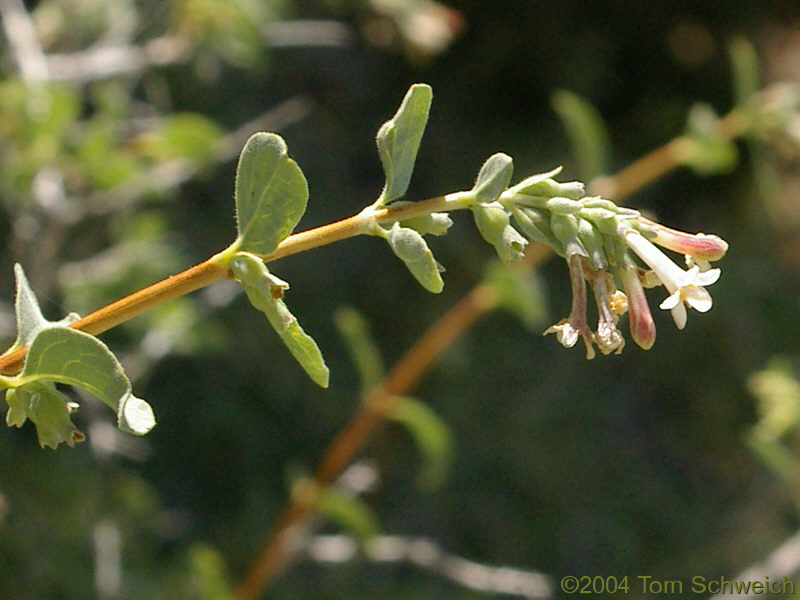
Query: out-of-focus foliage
point(116, 169)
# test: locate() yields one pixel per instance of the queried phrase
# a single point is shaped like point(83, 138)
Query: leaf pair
point(398, 142)
point(58, 354)
point(271, 196)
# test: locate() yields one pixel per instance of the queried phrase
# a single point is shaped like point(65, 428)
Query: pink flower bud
point(640, 320)
point(698, 245)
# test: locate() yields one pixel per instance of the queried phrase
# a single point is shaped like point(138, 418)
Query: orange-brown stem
point(213, 270)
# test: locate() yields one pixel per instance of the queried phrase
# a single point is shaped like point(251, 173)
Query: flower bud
point(640, 319)
point(593, 242)
point(534, 225)
point(48, 409)
point(494, 225)
point(699, 245)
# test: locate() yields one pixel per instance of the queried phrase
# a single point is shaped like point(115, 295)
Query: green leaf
point(271, 194)
point(545, 186)
point(29, 316)
point(63, 355)
point(363, 350)
point(706, 150)
point(431, 435)
point(587, 132)
point(265, 292)
point(534, 225)
point(180, 135)
point(398, 141)
point(352, 514)
point(410, 247)
point(435, 223)
point(493, 178)
point(744, 62)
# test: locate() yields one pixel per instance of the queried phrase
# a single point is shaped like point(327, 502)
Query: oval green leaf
point(493, 178)
point(410, 247)
point(271, 193)
point(63, 355)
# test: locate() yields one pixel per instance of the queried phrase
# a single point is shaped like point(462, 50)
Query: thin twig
point(668, 157)
point(24, 43)
point(426, 553)
point(103, 61)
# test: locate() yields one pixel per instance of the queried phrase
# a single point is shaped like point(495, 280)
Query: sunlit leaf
point(493, 178)
point(265, 292)
point(398, 140)
point(29, 316)
point(48, 409)
point(410, 247)
point(68, 356)
point(271, 193)
point(493, 223)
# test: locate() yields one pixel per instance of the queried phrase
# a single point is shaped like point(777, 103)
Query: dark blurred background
point(636, 464)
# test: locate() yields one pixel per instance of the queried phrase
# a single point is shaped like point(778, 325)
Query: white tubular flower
point(685, 287)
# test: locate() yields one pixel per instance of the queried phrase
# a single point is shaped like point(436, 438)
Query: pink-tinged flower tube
point(699, 245)
point(567, 330)
point(640, 320)
point(685, 287)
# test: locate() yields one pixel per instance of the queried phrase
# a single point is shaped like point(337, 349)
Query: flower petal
point(707, 277)
point(698, 298)
point(671, 301)
point(679, 315)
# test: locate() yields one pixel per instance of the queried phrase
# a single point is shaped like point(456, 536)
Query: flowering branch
point(277, 550)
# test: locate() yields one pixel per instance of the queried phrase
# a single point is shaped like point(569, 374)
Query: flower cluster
point(599, 241)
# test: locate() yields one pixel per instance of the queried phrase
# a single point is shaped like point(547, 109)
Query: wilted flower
point(608, 338)
point(567, 330)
